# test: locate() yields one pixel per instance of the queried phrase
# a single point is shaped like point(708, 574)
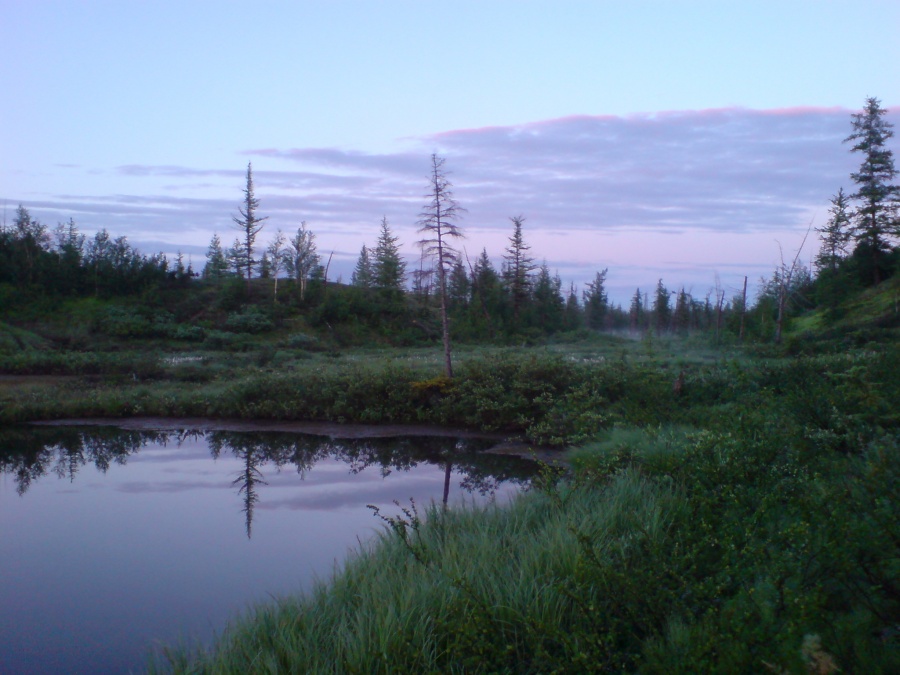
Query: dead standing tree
point(785, 275)
point(436, 221)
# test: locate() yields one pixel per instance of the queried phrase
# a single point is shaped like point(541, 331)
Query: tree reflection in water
point(28, 453)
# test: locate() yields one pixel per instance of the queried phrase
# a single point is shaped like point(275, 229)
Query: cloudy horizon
point(142, 119)
point(730, 185)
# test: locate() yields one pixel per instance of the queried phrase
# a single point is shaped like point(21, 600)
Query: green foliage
point(250, 320)
point(761, 537)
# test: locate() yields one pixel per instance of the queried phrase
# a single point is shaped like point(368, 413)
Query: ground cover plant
point(548, 397)
point(752, 530)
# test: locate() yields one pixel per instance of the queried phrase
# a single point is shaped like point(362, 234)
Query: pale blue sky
point(659, 139)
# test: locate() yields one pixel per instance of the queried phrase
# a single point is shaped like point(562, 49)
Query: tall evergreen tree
point(835, 234)
point(69, 248)
point(459, 287)
point(662, 310)
point(573, 314)
point(249, 224)
point(216, 263)
point(596, 302)
point(681, 319)
point(236, 256)
point(519, 266)
point(831, 283)
point(30, 241)
point(362, 273)
point(636, 311)
point(486, 293)
point(875, 219)
point(437, 222)
point(388, 267)
point(549, 306)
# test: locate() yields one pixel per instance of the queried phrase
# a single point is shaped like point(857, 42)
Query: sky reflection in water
point(113, 540)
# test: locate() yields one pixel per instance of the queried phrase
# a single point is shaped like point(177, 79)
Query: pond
point(115, 540)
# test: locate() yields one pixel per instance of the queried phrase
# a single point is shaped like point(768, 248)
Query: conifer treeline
point(858, 249)
point(65, 262)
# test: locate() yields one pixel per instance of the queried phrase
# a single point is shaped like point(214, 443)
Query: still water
point(113, 541)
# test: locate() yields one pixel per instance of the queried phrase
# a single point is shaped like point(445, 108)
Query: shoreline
point(504, 444)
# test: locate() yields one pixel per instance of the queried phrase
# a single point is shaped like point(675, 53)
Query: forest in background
point(250, 289)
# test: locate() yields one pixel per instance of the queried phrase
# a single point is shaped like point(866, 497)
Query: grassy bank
point(757, 535)
point(549, 396)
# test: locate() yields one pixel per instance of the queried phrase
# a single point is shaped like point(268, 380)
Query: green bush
point(250, 320)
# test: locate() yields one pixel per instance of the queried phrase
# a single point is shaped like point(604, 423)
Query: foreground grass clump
point(455, 591)
point(668, 551)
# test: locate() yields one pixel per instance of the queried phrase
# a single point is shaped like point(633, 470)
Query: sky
point(693, 142)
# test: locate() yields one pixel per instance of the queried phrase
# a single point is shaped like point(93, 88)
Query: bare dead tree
point(437, 223)
point(785, 276)
point(277, 252)
point(720, 301)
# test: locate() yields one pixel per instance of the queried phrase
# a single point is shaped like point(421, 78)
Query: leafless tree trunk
point(720, 300)
point(437, 222)
point(743, 310)
point(786, 275)
point(325, 278)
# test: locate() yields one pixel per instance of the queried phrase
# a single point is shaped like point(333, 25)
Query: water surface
point(114, 540)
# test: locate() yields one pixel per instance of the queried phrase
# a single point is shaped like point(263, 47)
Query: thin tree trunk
point(445, 322)
point(720, 300)
point(782, 299)
point(743, 310)
point(325, 280)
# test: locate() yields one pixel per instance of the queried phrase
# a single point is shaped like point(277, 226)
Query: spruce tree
point(636, 311)
point(519, 266)
point(388, 267)
point(486, 292)
point(661, 308)
point(835, 234)
point(832, 280)
point(549, 306)
point(681, 319)
point(459, 287)
point(573, 315)
point(362, 273)
point(596, 302)
point(875, 219)
point(216, 262)
point(237, 258)
point(249, 225)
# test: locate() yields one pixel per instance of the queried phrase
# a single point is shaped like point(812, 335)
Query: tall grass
point(467, 590)
point(761, 546)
